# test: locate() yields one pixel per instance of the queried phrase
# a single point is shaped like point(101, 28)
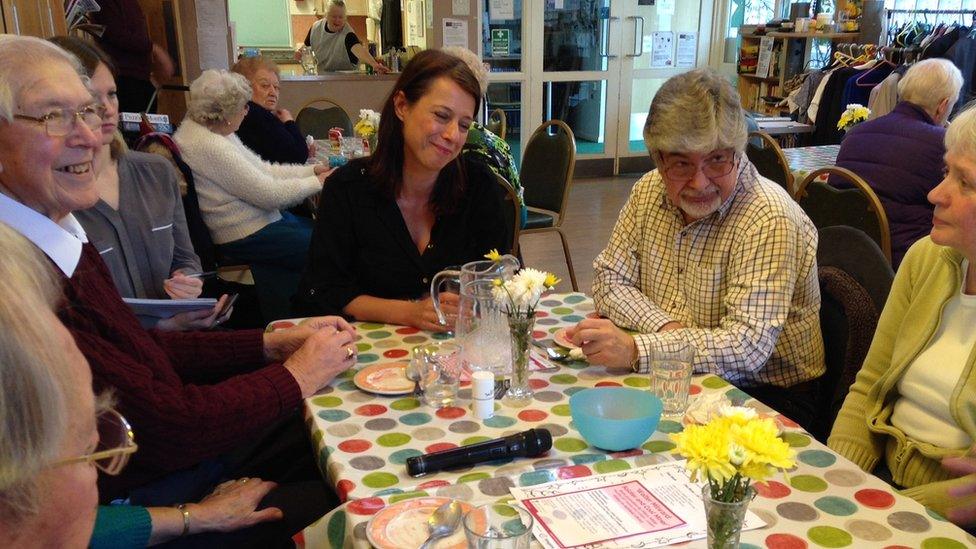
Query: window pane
point(575, 35)
point(582, 106)
point(507, 97)
point(502, 39)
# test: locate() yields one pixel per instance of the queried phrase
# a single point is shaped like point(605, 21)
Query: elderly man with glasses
point(708, 252)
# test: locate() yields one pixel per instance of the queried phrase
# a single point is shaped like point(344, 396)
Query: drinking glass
point(498, 526)
point(440, 372)
point(671, 376)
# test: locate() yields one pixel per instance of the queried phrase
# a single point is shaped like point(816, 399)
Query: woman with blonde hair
point(911, 406)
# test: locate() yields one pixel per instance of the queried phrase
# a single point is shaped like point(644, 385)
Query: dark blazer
point(899, 155)
point(272, 139)
point(361, 245)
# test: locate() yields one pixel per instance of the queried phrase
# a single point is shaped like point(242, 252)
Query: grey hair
point(474, 63)
point(927, 83)
point(215, 96)
point(961, 135)
point(18, 56)
point(695, 112)
point(34, 377)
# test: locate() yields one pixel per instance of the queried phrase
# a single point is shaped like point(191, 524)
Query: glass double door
point(600, 62)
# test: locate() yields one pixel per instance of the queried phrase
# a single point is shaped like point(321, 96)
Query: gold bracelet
point(186, 518)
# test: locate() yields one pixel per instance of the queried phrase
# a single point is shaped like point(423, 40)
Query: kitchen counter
point(352, 90)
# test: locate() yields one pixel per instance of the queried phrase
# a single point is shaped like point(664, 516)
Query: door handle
point(606, 39)
point(638, 37)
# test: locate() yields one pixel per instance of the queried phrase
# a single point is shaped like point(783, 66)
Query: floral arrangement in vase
point(367, 125)
point(735, 448)
point(852, 116)
point(518, 297)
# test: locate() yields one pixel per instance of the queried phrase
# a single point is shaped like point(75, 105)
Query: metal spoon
point(554, 353)
point(443, 522)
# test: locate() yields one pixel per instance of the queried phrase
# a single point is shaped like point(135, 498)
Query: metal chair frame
point(874, 203)
point(770, 142)
point(557, 216)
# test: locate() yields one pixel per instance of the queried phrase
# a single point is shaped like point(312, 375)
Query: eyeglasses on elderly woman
point(116, 443)
point(60, 122)
point(718, 164)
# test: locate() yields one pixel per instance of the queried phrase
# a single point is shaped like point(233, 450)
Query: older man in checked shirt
point(709, 252)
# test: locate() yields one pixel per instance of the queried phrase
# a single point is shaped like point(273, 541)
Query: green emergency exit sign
point(500, 41)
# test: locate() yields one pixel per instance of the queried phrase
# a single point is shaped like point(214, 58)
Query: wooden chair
point(857, 207)
point(319, 115)
point(546, 175)
point(513, 213)
point(769, 160)
point(497, 123)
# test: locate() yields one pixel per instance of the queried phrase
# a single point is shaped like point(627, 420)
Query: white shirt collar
point(59, 241)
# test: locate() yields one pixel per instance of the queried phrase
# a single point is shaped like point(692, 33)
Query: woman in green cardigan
point(913, 403)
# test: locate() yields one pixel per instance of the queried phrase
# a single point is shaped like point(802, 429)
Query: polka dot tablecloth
point(363, 442)
point(803, 160)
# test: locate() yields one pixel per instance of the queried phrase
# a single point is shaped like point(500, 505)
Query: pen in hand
point(206, 274)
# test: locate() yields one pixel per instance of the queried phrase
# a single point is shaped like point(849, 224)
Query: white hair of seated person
point(960, 137)
point(217, 96)
point(695, 112)
point(930, 82)
point(17, 55)
point(34, 378)
point(473, 62)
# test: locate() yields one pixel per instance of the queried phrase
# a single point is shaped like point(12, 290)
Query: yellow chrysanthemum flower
point(551, 281)
point(493, 255)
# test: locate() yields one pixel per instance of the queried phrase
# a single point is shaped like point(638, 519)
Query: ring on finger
point(350, 352)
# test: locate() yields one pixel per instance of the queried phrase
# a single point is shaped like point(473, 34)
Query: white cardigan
point(239, 192)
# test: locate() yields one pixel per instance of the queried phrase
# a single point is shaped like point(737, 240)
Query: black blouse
point(361, 245)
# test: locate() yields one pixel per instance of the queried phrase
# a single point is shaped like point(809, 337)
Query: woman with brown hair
point(389, 222)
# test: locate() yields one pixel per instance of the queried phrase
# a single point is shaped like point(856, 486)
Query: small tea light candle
point(483, 394)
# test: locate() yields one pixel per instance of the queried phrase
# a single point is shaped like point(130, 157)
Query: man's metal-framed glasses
point(60, 122)
point(715, 166)
point(116, 443)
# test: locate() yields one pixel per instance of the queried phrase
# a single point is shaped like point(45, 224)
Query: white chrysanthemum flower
point(742, 412)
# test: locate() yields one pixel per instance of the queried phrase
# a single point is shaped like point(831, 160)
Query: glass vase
point(724, 519)
point(520, 328)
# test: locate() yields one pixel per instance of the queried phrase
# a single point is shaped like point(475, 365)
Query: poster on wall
point(765, 56)
point(687, 50)
point(212, 14)
point(662, 49)
point(455, 33)
point(501, 10)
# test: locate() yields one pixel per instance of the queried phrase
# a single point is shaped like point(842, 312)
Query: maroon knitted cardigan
point(190, 396)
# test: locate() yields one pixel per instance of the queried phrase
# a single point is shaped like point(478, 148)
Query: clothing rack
point(891, 12)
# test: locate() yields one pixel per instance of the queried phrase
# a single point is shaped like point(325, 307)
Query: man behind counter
point(336, 45)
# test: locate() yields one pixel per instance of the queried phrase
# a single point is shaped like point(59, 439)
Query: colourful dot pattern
point(363, 442)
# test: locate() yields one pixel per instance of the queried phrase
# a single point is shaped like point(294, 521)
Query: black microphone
point(529, 443)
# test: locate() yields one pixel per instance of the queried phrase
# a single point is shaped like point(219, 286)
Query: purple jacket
point(900, 156)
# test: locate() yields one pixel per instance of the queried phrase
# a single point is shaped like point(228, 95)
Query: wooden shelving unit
point(790, 55)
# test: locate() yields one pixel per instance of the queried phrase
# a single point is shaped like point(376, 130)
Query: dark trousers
point(135, 94)
point(277, 255)
point(798, 403)
point(282, 454)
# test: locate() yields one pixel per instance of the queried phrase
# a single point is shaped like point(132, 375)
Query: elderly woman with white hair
point(241, 195)
point(48, 494)
point(911, 405)
point(899, 154)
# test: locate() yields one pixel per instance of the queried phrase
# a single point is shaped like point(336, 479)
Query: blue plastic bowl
point(615, 418)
